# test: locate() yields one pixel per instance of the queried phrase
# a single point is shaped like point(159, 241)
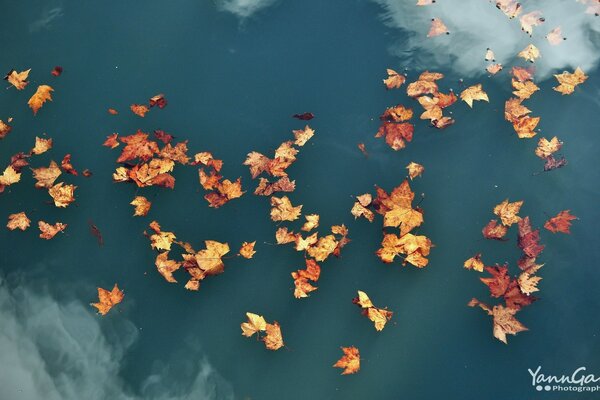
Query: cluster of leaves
point(514, 111)
point(144, 161)
point(394, 121)
point(398, 212)
point(141, 109)
point(220, 190)
point(315, 248)
point(516, 292)
point(62, 194)
point(198, 264)
point(256, 324)
point(42, 94)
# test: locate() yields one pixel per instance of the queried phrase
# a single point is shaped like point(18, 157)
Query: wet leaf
point(414, 170)
point(45, 176)
point(247, 250)
point(475, 263)
point(529, 53)
point(494, 231)
point(546, 148)
point(508, 212)
point(568, 81)
point(379, 316)
point(555, 36)
point(283, 210)
point(350, 361)
point(302, 136)
point(107, 300)
point(504, 320)
point(561, 222)
point(139, 109)
point(437, 28)
point(312, 222)
point(18, 79)
point(530, 20)
point(41, 145)
point(142, 206)
point(18, 221)
point(255, 324)
point(166, 267)
point(62, 194)
point(472, 93)
point(394, 80)
point(49, 231)
point(302, 277)
point(41, 95)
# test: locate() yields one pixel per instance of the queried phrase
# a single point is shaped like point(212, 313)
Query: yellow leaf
point(472, 93)
point(41, 95)
point(62, 194)
point(142, 206)
point(529, 53)
point(18, 79)
point(350, 361)
point(18, 221)
point(567, 81)
point(247, 249)
point(508, 212)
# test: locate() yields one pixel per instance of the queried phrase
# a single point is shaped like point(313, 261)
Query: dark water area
point(232, 82)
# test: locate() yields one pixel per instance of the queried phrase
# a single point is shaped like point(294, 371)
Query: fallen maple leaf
point(508, 212)
point(360, 207)
point(41, 145)
point(302, 276)
point(160, 240)
point(62, 194)
point(66, 165)
point(9, 177)
point(107, 300)
point(546, 148)
point(529, 53)
point(18, 79)
point(41, 95)
point(247, 249)
point(57, 71)
point(166, 267)
point(273, 339)
point(394, 80)
point(524, 89)
point(555, 36)
point(112, 141)
point(142, 206)
point(49, 231)
point(45, 176)
point(112, 111)
point(554, 163)
point(530, 20)
point(158, 100)
point(561, 222)
point(139, 109)
point(493, 69)
point(472, 93)
point(266, 188)
point(379, 316)
point(350, 361)
point(414, 170)
point(475, 263)
point(255, 324)
point(4, 129)
point(312, 222)
point(504, 320)
point(437, 28)
point(494, 231)
point(303, 135)
point(528, 239)
point(282, 209)
point(18, 221)
point(568, 81)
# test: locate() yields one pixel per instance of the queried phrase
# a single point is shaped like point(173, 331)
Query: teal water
point(232, 82)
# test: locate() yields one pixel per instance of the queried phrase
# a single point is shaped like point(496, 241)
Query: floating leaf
point(350, 361)
point(107, 300)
